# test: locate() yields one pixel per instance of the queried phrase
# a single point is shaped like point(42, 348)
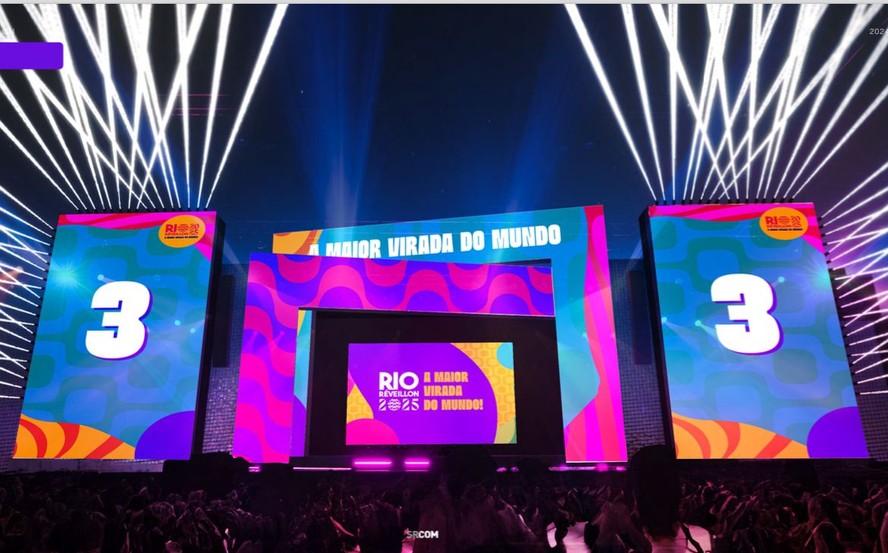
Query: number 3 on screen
point(125, 304)
point(755, 331)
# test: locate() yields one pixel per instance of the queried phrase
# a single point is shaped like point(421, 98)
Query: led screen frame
point(282, 290)
point(106, 382)
point(431, 394)
point(749, 340)
point(589, 372)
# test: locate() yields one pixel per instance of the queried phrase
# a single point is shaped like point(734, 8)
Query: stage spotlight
point(372, 464)
point(417, 464)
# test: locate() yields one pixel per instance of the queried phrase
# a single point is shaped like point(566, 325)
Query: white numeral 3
point(125, 304)
point(752, 299)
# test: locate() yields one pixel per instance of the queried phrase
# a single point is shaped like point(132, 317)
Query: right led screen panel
point(750, 340)
point(435, 393)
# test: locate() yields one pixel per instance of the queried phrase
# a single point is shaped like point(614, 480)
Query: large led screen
point(430, 394)
point(119, 344)
point(573, 241)
point(534, 366)
point(751, 340)
point(282, 291)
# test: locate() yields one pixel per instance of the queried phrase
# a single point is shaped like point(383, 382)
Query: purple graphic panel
point(280, 285)
point(430, 393)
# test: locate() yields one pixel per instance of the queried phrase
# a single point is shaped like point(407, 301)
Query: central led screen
point(430, 394)
point(572, 243)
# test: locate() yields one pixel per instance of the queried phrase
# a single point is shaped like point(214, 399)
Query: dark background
point(537, 391)
point(368, 114)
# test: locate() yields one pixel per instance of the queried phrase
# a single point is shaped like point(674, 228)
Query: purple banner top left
point(31, 55)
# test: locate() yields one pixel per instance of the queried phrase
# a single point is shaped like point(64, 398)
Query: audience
point(141, 513)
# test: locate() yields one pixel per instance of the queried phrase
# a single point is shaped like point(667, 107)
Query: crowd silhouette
point(511, 512)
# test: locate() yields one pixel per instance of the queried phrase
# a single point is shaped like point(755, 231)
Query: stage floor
point(573, 542)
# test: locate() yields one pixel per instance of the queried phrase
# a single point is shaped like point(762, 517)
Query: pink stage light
point(373, 464)
point(569, 468)
point(598, 467)
point(320, 469)
point(417, 464)
point(255, 468)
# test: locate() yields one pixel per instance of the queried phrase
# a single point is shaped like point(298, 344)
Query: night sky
point(367, 114)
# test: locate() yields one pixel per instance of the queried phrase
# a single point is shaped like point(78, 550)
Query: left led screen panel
point(431, 394)
point(119, 346)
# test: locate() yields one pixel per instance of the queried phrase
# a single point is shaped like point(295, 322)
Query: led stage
point(573, 240)
point(430, 393)
point(282, 290)
point(751, 340)
point(119, 345)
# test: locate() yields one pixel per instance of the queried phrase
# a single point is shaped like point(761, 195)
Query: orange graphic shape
point(357, 407)
point(39, 439)
point(295, 242)
point(784, 223)
point(182, 231)
point(703, 439)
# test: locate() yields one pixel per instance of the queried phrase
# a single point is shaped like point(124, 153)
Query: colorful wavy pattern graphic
point(146, 402)
point(487, 380)
point(134, 221)
point(702, 439)
point(300, 382)
point(496, 360)
point(60, 440)
point(270, 418)
point(592, 406)
point(740, 212)
point(794, 401)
